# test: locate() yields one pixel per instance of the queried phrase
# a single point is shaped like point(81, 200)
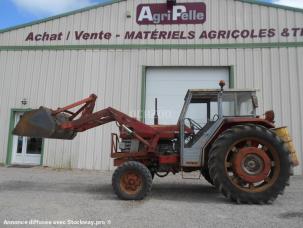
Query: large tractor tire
point(205, 174)
point(132, 181)
point(249, 164)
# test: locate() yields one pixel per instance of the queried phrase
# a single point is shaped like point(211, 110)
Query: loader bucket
point(40, 123)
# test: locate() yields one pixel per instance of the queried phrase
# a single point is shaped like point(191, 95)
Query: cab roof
point(212, 94)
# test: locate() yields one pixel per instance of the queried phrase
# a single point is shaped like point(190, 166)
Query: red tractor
point(242, 154)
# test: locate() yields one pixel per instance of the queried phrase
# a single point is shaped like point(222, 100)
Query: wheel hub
point(131, 182)
point(252, 164)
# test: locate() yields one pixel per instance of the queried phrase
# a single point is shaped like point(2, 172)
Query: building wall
point(58, 76)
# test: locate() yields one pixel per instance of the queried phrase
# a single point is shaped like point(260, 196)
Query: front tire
point(132, 181)
point(249, 164)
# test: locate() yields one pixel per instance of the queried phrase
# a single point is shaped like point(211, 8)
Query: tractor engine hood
point(170, 128)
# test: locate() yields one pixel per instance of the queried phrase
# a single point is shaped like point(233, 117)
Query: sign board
point(166, 14)
point(180, 13)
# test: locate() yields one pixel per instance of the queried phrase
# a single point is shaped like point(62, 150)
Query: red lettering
point(235, 34)
point(107, 36)
point(30, 37)
point(85, 36)
point(53, 37)
point(271, 32)
point(175, 35)
point(253, 35)
point(262, 33)
point(169, 35)
point(129, 35)
point(228, 34)
point(244, 33)
point(191, 35)
point(60, 36)
point(78, 35)
point(212, 34)
point(203, 35)
point(295, 31)
point(38, 37)
point(146, 34)
point(162, 35)
point(101, 35)
point(221, 34)
point(94, 36)
point(45, 36)
point(139, 35)
point(182, 36)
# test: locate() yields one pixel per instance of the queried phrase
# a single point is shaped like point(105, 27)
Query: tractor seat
point(200, 133)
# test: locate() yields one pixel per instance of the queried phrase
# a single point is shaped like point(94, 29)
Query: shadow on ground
point(160, 191)
point(186, 192)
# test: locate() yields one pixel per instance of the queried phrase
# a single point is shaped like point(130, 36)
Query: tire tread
point(220, 182)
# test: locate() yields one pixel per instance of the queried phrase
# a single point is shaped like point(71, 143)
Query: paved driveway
point(44, 196)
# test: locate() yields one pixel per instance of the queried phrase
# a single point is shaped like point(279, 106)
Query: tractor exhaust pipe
point(220, 100)
point(156, 118)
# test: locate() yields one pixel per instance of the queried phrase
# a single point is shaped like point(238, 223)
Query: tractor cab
point(204, 111)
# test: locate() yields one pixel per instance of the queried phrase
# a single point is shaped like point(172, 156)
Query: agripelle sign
point(181, 13)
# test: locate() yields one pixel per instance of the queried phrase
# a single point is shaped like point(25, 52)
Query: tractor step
point(191, 176)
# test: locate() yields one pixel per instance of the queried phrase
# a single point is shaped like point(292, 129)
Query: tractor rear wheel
point(132, 181)
point(249, 164)
point(205, 174)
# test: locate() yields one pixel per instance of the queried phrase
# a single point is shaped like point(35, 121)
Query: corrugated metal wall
point(57, 77)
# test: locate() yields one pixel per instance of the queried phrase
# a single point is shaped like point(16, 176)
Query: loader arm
point(63, 123)
point(108, 115)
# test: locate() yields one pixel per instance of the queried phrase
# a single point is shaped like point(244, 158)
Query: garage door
point(170, 85)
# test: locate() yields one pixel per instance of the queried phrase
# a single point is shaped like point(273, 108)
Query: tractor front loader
point(243, 155)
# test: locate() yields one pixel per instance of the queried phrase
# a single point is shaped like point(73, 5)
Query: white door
point(170, 84)
point(26, 150)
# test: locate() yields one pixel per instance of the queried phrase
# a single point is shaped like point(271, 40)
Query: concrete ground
point(48, 196)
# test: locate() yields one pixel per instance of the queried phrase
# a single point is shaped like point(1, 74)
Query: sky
point(16, 12)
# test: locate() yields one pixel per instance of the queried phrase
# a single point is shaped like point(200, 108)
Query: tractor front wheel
point(132, 181)
point(249, 164)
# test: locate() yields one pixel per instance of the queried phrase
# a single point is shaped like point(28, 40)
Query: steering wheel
point(193, 124)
